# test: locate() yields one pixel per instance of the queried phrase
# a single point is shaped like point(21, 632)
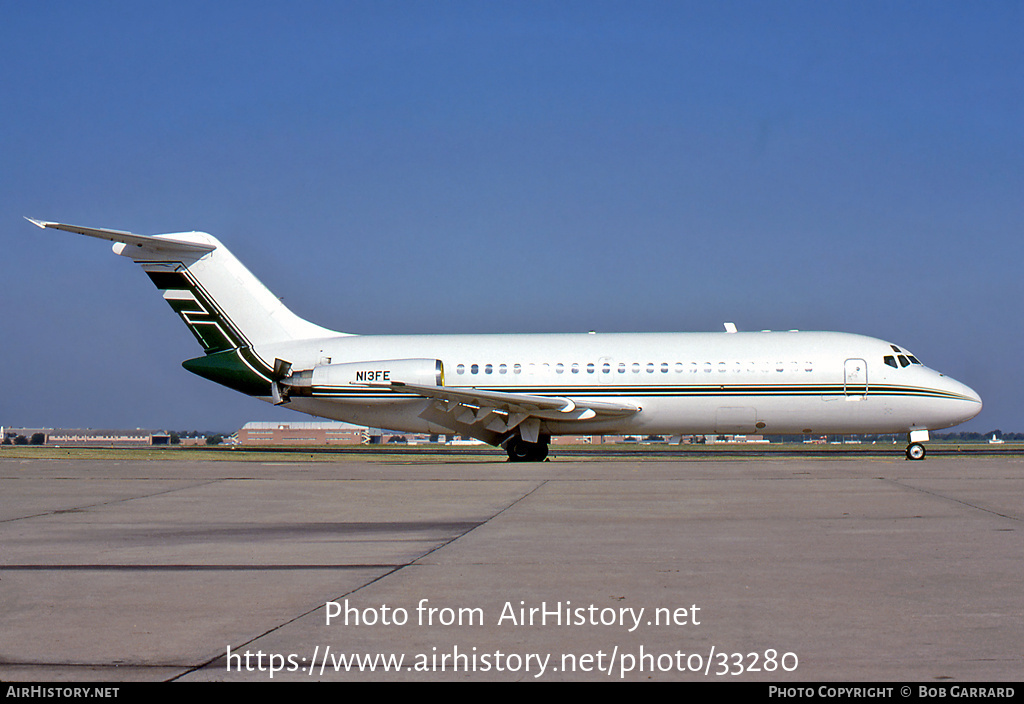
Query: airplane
point(517, 391)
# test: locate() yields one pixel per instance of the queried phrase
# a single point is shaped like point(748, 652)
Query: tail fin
point(230, 312)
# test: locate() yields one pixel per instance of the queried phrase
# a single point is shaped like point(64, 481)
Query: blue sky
point(509, 166)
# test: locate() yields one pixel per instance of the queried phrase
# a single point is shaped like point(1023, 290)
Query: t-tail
point(230, 312)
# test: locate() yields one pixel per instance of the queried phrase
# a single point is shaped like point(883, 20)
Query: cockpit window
point(905, 360)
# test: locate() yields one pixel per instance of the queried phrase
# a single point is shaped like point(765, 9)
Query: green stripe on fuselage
point(228, 360)
point(229, 369)
point(212, 330)
point(185, 306)
point(169, 280)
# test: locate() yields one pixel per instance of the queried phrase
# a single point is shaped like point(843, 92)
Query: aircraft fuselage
point(763, 382)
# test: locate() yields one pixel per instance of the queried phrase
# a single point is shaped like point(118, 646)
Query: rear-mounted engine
point(323, 379)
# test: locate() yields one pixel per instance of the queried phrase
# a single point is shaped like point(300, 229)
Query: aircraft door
point(855, 378)
point(606, 370)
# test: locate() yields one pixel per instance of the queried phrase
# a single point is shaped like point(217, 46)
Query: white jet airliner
point(517, 391)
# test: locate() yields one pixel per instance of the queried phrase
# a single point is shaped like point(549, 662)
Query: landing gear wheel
point(521, 451)
point(915, 451)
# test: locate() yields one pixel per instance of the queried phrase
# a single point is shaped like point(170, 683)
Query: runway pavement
point(702, 569)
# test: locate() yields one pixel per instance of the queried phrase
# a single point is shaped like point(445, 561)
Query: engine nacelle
point(324, 379)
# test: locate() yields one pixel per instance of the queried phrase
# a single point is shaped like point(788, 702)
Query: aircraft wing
point(492, 415)
point(167, 244)
point(554, 407)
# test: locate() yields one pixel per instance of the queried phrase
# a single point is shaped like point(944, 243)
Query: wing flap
point(548, 407)
point(492, 416)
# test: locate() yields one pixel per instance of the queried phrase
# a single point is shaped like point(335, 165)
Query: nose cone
point(962, 402)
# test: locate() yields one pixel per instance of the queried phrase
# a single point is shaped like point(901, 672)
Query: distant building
point(734, 439)
point(304, 433)
point(92, 437)
point(576, 440)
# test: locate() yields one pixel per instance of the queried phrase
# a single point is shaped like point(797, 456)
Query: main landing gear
point(520, 450)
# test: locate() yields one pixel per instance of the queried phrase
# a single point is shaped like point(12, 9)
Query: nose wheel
point(915, 451)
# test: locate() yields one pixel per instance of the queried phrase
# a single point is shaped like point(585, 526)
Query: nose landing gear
point(915, 450)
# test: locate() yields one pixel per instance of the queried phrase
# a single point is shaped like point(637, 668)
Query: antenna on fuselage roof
point(730, 327)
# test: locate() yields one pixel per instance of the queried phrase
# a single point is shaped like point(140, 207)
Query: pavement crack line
point(950, 498)
point(378, 578)
point(109, 502)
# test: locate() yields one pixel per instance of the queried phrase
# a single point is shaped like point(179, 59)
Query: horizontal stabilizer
point(154, 243)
